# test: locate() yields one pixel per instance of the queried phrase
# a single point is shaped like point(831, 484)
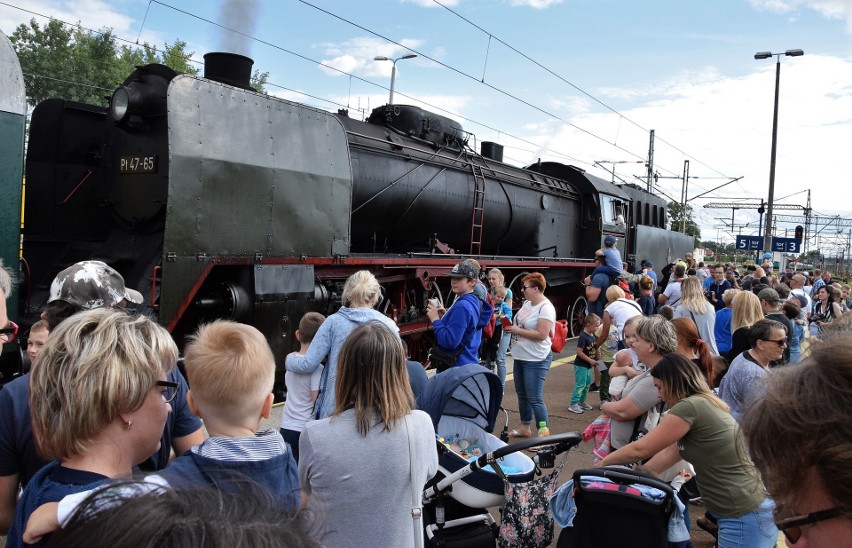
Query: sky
point(574, 81)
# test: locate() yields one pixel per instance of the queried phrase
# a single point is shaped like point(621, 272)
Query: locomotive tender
point(215, 201)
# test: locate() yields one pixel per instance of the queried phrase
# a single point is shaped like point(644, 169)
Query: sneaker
point(594, 388)
point(576, 409)
point(603, 402)
point(585, 406)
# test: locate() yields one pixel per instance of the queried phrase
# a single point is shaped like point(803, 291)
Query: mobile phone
point(505, 322)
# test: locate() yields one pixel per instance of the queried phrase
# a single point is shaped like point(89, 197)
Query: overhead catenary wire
point(576, 87)
point(319, 63)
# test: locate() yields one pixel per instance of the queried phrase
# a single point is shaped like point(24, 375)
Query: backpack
point(560, 334)
point(488, 329)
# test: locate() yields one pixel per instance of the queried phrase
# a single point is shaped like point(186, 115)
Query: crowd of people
point(105, 427)
point(104, 404)
point(702, 388)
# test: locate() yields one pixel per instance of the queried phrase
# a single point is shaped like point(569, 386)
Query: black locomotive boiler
point(215, 201)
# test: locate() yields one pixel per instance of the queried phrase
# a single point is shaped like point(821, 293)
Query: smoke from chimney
point(240, 15)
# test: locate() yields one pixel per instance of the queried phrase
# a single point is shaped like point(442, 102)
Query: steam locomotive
point(215, 201)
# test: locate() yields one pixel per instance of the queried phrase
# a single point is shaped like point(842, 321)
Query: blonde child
point(584, 362)
point(38, 336)
point(302, 388)
point(626, 364)
point(502, 309)
point(606, 357)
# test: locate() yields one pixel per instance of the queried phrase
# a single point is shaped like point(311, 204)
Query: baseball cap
point(90, 285)
point(769, 295)
point(464, 270)
point(649, 264)
point(609, 240)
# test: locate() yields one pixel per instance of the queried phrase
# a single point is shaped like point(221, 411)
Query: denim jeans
point(501, 357)
point(753, 530)
point(529, 385)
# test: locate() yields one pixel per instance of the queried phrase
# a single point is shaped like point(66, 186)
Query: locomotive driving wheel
point(517, 293)
point(577, 315)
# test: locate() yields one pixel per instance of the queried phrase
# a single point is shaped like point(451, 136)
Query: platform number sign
point(749, 243)
point(786, 245)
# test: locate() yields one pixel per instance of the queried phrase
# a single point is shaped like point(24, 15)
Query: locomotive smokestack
point(228, 68)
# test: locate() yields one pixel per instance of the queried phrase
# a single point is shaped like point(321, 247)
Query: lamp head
point(794, 52)
point(413, 55)
point(763, 55)
point(380, 58)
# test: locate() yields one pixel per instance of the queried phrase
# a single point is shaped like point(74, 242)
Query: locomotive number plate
point(138, 164)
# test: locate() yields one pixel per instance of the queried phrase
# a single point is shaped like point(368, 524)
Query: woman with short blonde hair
point(99, 402)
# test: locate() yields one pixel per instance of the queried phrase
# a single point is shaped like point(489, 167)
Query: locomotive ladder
point(478, 215)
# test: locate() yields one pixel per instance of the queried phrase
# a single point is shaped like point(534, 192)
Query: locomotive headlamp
point(119, 104)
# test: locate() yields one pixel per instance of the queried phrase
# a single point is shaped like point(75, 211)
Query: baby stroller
point(473, 464)
point(640, 505)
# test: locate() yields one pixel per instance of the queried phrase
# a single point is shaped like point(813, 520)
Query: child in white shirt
point(302, 388)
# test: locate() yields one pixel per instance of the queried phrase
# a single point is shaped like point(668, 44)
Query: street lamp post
point(393, 69)
point(767, 233)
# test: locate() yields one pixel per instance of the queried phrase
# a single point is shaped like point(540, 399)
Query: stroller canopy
point(469, 392)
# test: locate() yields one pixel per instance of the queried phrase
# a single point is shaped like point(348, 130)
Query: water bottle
point(543, 430)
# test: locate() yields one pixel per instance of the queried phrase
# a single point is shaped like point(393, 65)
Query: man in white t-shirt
point(798, 294)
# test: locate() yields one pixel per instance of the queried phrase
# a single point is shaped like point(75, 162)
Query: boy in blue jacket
point(459, 330)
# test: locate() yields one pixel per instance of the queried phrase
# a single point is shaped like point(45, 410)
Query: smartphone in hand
point(505, 322)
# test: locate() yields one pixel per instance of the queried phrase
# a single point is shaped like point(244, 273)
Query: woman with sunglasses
point(699, 429)
point(800, 437)
point(98, 402)
point(531, 332)
point(746, 377)
point(361, 293)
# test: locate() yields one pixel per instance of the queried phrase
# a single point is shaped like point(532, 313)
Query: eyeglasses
point(779, 342)
point(792, 527)
point(10, 333)
point(525, 287)
point(171, 390)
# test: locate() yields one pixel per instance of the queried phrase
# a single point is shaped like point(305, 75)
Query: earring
point(128, 424)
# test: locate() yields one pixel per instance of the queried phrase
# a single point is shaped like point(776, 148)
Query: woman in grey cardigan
point(361, 292)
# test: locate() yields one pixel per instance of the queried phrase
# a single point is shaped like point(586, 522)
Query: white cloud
point(831, 9)
point(570, 106)
point(725, 124)
point(536, 4)
point(94, 14)
point(355, 56)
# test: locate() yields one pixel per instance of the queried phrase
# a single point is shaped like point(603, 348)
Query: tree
point(258, 81)
point(676, 216)
point(72, 63)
